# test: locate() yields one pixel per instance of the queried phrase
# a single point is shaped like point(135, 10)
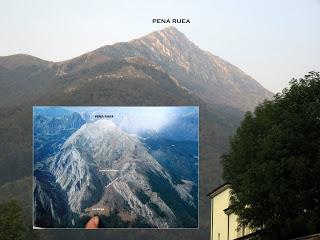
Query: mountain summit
point(210, 77)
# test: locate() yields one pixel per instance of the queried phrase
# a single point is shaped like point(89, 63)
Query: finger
point(93, 222)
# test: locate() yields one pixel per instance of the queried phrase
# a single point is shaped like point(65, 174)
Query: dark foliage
point(11, 224)
point(274, 163)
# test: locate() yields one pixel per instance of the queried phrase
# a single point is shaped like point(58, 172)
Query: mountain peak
point(104, 124)
point(170, 29)
point(168, 35)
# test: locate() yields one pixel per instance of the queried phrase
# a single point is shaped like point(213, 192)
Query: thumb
point(93, 222)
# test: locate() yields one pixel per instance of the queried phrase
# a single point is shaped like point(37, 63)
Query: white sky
point(270, 40)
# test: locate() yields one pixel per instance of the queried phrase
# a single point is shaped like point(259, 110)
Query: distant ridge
point(18, 60)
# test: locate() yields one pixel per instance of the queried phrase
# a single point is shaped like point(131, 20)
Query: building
point(224, 222)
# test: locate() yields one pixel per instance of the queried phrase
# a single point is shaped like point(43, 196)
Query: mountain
point(112, 80)
point(51, 133)
point(183, 129)
point(101, 166)
point(55, 125)
point(211, 78)
point(50, 112)
point(214, 80)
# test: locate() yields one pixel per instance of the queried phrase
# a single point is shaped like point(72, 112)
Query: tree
point(11, 224)
point(273, 164)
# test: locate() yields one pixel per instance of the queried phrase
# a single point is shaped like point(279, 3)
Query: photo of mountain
point(134, 167)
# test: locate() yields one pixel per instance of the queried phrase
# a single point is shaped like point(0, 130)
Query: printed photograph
point(134, 167)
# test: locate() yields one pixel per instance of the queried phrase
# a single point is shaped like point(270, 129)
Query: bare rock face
point(100, 166)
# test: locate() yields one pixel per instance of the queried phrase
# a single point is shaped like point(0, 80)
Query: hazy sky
point(132, 119)
point(270, 40)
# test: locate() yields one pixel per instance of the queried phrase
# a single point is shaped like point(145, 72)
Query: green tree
point(273, 164)
point(11, 224)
